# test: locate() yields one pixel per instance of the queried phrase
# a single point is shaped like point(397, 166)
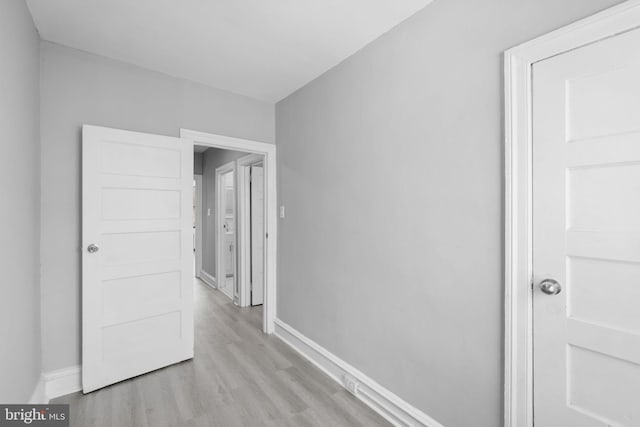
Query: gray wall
point(390, 166)
point(213, 158)
point(198, 159)
point(79, 88)
point(20, 213)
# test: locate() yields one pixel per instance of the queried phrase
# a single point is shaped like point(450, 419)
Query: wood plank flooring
point(238, 377)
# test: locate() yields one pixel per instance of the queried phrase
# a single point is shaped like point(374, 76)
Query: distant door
point(226, 270)
point(137, 254)
point(197, 221)
point(586, 235)
point(257, 234)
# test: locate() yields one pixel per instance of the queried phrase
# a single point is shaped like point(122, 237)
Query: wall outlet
point(282, 211)
point(350, 383)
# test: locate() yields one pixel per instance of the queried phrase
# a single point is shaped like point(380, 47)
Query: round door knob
point(550, 287)
point(92, 248)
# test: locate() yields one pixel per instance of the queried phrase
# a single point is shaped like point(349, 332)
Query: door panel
point(125, 298)
point(586, 235)
point(139, 204)
point(592, 375)
point(131, 248)
point(614, 305)
point(137, 288)
point(605, 102)
point(125, 157)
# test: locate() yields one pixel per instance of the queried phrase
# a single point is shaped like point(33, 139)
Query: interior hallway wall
point(81, 88)
point(198, 159)
point(391, 170)
point(213, 158)
point(20, 213)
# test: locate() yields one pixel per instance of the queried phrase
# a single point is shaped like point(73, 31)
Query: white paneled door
point(137, 254)
point(257, 234)
point(586, 235)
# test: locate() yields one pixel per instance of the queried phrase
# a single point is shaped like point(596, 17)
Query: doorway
point(267, 154)
point(225, 233)
point(572, 253)
point(234, 255)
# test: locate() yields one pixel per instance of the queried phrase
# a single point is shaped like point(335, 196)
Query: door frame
point(221, 278)
point(199, 206)
point(271, 209)
point(518, 63)
point(242, 167)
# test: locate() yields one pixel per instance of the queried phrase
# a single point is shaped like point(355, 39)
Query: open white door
point(586, 235)
point(197, 179)
point(226, 230)
point(137, 249)
point(257, 234)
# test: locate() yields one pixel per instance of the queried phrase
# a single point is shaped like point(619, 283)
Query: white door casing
point(257, 234)
point(518, 62)
point(586, 235)
point(269, 156)
point(137, 289)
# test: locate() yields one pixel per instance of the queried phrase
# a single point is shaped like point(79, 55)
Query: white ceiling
point(265, 49)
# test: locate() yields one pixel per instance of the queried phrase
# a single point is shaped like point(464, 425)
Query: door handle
point(550, 287)
point(93, 248)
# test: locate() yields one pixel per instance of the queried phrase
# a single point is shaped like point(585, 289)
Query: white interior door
point(197, 213)
point(586, 235)
point(137, 284)
point(227, 232)
point(257, 234)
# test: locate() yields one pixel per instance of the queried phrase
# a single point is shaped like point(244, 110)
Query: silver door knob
point(550, 287)
point(92, 248)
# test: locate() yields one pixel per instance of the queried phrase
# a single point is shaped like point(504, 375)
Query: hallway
point(239, 377)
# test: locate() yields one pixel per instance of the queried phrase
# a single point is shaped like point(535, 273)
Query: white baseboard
point(391, 407)
point(208, 279)
point(39, 397)
point(62, 381)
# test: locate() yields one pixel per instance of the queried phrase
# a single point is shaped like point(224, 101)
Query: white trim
point(208, 279)
point(271, 213)
point(250, 159)
point(199, 214)
point(229, 167)
point(395, 410)
point(244, 245)
point(62, 382)
point(39, 397)
point(518, 62)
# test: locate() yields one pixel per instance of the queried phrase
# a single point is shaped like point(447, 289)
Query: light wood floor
point(239, 377)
